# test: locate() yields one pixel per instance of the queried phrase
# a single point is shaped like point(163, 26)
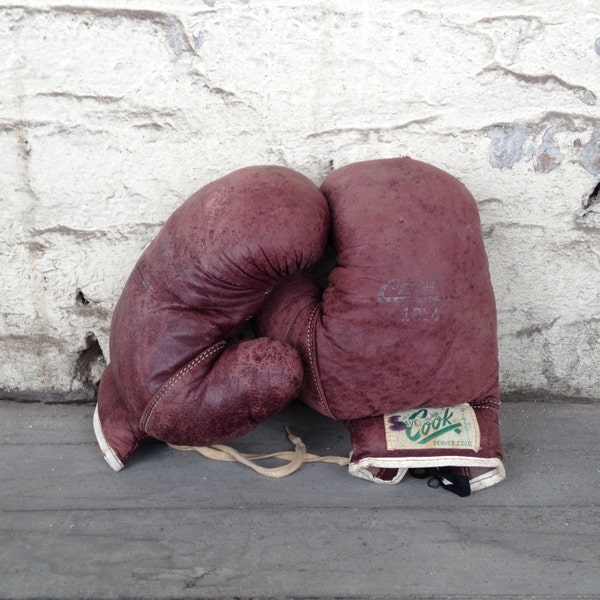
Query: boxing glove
point(177, 372)
point(407, 321)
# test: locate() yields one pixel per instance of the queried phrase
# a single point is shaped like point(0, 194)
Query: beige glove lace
point(295, 459)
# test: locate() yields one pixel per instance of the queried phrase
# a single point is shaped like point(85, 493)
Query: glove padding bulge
point(174, 373)
point(408, 317)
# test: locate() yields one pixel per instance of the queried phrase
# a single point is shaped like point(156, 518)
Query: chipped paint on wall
point(114, 112)
point(512, 143)
point(175, 36)
point(588, 154)
point(548, 155)
point(507, 145)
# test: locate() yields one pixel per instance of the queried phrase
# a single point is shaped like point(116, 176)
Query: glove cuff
point(459, 442)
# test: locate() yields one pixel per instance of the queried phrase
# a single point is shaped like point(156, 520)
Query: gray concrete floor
point(176, 525)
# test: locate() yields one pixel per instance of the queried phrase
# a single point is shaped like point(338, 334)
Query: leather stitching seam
point(175, 378)
point(311, 349)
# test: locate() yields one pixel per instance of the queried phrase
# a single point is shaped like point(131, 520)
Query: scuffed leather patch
point(453, 427)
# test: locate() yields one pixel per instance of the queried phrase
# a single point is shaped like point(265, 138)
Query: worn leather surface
point(176, 374)
point(408, 316)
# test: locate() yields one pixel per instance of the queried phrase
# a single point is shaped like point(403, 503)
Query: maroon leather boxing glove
point(407, 321)
point(174, 373)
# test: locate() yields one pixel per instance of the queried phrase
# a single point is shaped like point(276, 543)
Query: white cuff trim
point(363, 468)
point(109, 454)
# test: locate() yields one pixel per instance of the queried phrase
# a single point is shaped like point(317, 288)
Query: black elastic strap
point(446, 478)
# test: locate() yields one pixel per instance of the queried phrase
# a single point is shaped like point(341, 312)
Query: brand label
point(434, 428)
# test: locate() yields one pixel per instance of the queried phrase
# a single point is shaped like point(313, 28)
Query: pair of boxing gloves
point(400, 344)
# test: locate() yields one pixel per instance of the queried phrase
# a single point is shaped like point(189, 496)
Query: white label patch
point(454, 427)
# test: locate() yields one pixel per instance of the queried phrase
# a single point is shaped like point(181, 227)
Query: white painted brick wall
point(113, 112)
